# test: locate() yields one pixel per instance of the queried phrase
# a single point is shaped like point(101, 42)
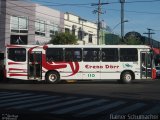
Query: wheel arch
point(52, 71)
point(130, 71)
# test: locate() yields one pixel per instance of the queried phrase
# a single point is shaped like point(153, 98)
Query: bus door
point(35, 65)
point(146, 65)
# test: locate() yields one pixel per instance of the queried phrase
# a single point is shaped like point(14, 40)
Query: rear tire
point(126, 77)
point(52, 77)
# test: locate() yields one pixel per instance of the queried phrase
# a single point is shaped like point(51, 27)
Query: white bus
point(52, 63)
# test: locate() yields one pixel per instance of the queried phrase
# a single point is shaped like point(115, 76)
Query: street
point(80, 100)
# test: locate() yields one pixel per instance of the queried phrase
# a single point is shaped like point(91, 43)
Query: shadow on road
point(129, 97)
point(10, 81)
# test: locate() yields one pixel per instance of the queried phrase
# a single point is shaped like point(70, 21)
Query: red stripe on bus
point(17, 74)
point(14, 63)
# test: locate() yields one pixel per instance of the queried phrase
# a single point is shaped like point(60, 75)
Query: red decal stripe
point(14, 63)
point(49, 66)
point(16, 69)
point(17, 74)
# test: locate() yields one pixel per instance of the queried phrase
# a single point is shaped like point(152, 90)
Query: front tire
point(126, 77)
point(52, 77)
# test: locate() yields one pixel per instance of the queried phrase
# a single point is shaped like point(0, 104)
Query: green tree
point(63, 38)
point(133, 41)
point(133, 38)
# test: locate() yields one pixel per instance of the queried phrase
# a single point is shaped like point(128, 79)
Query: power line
point(61, 4)
point(31, 10)
point(71, 21)
point(33, 26)
point(149, 33)
point(143, 1)
point(46, 15)
point(138, 12)
point(66, 4)
point(144, 12)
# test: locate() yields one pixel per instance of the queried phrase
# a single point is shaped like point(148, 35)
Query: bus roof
point(80, 46)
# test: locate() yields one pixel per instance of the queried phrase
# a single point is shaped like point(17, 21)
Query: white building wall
point(32, 12)
point(87, 26)
point(52, 18)
point(19, 9)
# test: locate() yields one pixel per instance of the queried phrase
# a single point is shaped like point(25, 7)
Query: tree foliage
point(133, 38)
point(63, 39)
point(133, 41)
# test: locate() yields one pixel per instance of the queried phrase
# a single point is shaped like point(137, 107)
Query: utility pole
point(98, 27)
point(99, 11)
point(122, 19)
point(149, 33)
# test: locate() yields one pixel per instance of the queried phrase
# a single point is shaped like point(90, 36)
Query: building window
point(67, 30)
point(53, 29)
point(80, 34)
point(40, 27)
point(19, 39)
point(73, 32)
point(90, 38)
point(19, 24)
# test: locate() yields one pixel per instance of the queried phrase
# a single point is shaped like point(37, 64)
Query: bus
point(52, 63)
point(2, 66)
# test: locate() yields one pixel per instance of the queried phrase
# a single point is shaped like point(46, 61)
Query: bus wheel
point(126, 77)
point(52, 77)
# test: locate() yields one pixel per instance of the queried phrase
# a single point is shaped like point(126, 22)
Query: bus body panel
point(78, 70)
point(16, 70)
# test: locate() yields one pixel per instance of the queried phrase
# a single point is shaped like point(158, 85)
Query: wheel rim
point(52, 77)
point(128, 77)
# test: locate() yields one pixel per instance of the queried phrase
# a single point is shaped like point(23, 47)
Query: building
point(27, 23)
point(85, 30)
point(112, 39)
point(102, 33)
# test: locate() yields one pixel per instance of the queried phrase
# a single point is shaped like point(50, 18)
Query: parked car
point(158, 71)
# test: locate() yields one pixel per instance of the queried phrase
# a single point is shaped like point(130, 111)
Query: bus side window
point(73, 54)
point(128, 54)
point(17, 54)
point(68, 55)
point(54, 54)
point(109, 54)
point(91, 54)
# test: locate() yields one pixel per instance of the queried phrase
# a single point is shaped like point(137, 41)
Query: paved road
point(82, 100)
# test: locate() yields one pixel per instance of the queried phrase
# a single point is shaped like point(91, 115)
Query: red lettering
point(111, 66)
point(101, 67)
point(87, 66)
point(107, 66)
point(93, 67)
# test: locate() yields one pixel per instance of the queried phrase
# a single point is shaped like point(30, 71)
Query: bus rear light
point(5, 74)
point(153, 73)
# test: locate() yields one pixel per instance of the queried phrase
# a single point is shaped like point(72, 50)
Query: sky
point(141, 14)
